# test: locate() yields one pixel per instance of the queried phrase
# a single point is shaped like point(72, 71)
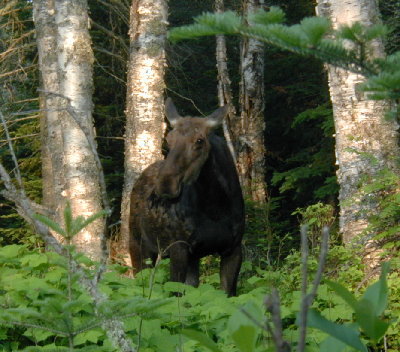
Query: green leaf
point(11, 251)
point(245, 338)
point(34, 260)
point(203, 339)
point(372, 326)
point(344, 293)
point(377, 293)
point(344, 333)
point(50, 223)
point(244, 330)
point(330, 344)
point(88, 336)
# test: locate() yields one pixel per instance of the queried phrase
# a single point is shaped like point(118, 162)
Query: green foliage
point(38, 312)
point(385, 225)
point(367, 314)
point(314, 161)
point(72, 225)
point(316, 217)
point(310, 38)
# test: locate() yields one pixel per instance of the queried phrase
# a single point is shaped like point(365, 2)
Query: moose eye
point(199, 142)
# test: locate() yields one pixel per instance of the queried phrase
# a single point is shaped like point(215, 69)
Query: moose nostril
point(168, 188)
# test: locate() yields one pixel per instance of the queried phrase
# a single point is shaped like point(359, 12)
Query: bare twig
point(224, 85)
point(14, 158)
point(111, 34)
point(8, 140)
point(186, 98)
point(304, 305)
point(321, 263)
point(307, 299)
point(272, 302)
point(35, 326)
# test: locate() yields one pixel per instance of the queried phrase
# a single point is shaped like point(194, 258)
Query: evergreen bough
point(347, 47)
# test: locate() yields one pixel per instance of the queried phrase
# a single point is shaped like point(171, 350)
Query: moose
point(190, 205)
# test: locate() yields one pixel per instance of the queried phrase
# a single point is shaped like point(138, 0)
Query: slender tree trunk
point(251, 153)
point(75, 60)
point(70, 160)
point(365, 142)
point(224, 88)
point(52, 143)
point(145, 102)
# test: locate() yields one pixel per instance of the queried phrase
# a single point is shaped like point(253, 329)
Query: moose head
point(189, 148)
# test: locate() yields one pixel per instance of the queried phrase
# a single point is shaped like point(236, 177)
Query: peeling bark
point(365, 141)
point(251, 152)
point(70, 168)
point(52, 144)
point(224, 87)
point(145, 101)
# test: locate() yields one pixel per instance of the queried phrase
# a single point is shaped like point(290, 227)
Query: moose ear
point(215, 119)
point(171, 112)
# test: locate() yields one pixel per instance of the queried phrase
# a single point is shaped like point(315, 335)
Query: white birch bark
point(145, 102)
point(82, 179)
point(224, 87)
point(251, 153)
point(365, 142)
point(52, 144)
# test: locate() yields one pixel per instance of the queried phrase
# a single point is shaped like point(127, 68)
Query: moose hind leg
point(229, 270)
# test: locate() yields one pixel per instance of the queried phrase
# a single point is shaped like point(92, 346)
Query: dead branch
point(307, 299)
point(111, 34)
point(272, 302)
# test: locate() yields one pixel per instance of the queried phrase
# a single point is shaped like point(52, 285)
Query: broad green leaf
point(11, 251)
point(330, 344)
point(172, 286)
point(202, 338)
point(244, 330)
point(344, 333)
point(369, 322)
point(245, 338)
point(88, 336)
point(38, 334)
point(34, 260)
point(344, 293)
point(377, 293)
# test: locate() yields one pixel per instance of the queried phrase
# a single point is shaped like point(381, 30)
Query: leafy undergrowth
point(43, 308)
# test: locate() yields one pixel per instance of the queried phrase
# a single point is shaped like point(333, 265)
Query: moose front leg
point(192, 274)
point(229, 270)
point(179, 256)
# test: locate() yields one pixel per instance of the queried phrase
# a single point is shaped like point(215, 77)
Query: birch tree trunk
point(365, 142)
point(145, 102)
point(52, 144)
point(251, 153)
point(225, 90)
point(66, 58)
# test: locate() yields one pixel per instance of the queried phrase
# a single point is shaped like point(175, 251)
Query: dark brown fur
point(190, 205)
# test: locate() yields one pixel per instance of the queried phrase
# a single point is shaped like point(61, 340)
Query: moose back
point(190, 205)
